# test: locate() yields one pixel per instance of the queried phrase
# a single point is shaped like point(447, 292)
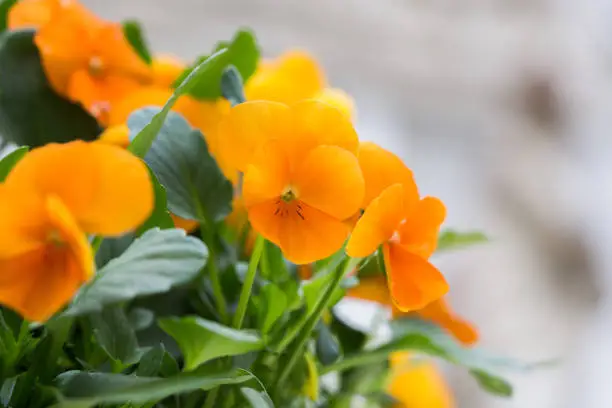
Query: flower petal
point(22, 222)
point(373, 289)
point(188, 225)
point(378, 223)
point(330, 180)
point(338, 99)
point(309, 235)
point(267, 176)
point(166, 70)
point(139, 98)
point(118, 135)
point(105, 188)
point(381, 169)
point(263, 218)
point(316, 123)
point(413, 282)
point(419, 232)
point(117, 55)
point(249, 126)
point(440, 313)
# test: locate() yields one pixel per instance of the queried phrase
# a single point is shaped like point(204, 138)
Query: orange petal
point(373, 289)
point(188, 225)
point(316, 123)
point(93, 180)
point(31, 13)
point(413, 282)
point(417, 383)
point(118, 57)
point(138, 99)
point(166, 69)
point(118, 135)
point(294, 76)
point(330, 180)
point(264, 219)
point(22, 221)
point(378, 223)
point(39, 283)
point(381, 169)
point(439, 312)
point(419, 232)
point(267, 176)
point(249, 126)
point(338, 99)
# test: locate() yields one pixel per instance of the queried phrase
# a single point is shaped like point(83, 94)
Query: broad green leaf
point(83, 390)
point(10, 160)
point(5, 6)
point(145, 131)
point(327, 347)
point(202, 340)
point(450, 239)
point(256, 399)
point(140, 318)
point(272, 303)
point(242, 53)
point(179, 157)
point(154, 263)
point(134, 34)
point(111, 248)
point(160, 217)
point(115, 335)
point(31, 113)
point(273, 265)
point(151, 362)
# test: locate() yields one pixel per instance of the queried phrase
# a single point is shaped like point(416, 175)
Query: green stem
point(211, 397)
point(95, 243)
point(247, 286)
point(357, 360)
point(213, 271)
point(313, 319)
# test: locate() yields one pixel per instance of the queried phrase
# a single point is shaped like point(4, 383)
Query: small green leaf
point(10, 160)
point(154, 263)
point(273, 265)
point(146, 132)
point(134, 34)
point(31, 113)
point(83, 390)
point(115, 335)
point(272, 303)
point(450, 239)
point(232, 87)
point(160, 217)
point(327, 346)
point(256, 399)
point(493, 384)
point(202, 340)
point(179, 157)
point(5, 6)
point(242, 53)
point(140, 318)
point(151, 362)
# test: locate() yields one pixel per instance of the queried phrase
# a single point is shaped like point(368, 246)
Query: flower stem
point(322, 303)
point(211, 397)
point(247, 286)
point(95, 243)
point(213, 271)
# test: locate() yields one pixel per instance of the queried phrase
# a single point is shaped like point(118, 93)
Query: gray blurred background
point(503, 109)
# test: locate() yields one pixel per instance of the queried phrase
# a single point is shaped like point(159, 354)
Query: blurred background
point(503, 109)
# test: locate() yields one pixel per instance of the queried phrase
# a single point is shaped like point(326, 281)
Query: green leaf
point(115, 335)
point(151, 362)
point(202, 340)
point(84, 390)
point(111, 248)
point(160, 217)
point(140, 318)
point(273, 265)
point(242, 53)
point(145, 132)
point(31, 113)
point(450, 239)
point(327, 347)
point(179, 157)
point(5, 6)
point(492, 384)
point(232, 87)
point(10, 160)
point(154, 263)
point(134, 34)
point(272, 303)
point(256, 399)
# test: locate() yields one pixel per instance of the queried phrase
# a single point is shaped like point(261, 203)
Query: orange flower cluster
point(44, 216)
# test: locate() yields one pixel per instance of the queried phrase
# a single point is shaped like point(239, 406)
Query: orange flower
point(302, 177)
point(89, 60)
point(374, 289)
point(166, 70)
point(417, 383)
point(44, 215)
point(406, 227)
point(182, 223)
point(35, 13)
point(118, 135)
point(292, 77)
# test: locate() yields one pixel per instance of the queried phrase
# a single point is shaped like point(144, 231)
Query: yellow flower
point(166, 70)
point(292, 77)
point(53, 197)
point(417, 383)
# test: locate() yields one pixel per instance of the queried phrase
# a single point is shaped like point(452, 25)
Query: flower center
point(54, 237)
point(288, 195)
point(96, 66)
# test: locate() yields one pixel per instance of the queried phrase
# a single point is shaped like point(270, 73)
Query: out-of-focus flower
point(35, 13)
point(166, 70)
point(53, 197)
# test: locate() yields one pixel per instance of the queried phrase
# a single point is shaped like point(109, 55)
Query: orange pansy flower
point(44, 215)
point(374, 289)
point(406, 227)
point(417, 383)
point(89, 60)
point(292, 77)
point(166, 70)
point(303, 179)
point(118, 135)
point(35, 13)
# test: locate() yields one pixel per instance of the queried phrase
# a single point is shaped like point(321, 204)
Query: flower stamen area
point(96, 66)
